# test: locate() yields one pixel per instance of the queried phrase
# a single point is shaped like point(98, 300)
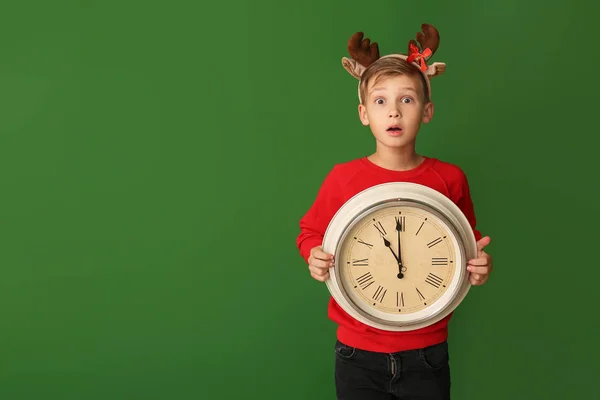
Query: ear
point(362, 113)
point(427, 112)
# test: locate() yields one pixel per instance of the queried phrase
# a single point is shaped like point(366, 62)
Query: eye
point(379, 101)
point(407, 100)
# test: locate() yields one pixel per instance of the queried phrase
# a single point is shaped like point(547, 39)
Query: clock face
point(398, 260)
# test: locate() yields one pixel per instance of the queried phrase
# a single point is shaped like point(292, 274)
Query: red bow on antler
point(420, 57)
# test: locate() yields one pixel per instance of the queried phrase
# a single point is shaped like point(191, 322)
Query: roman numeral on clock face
point(434, 242)
point(369, 245)
point(379, 294)
point(439, 261)
point(434, 280)
point(419, 230)
point(360, 263)
point(380, 228)
point(365, 280)
point(400, 299)
point(401, 222)
point(420, 294)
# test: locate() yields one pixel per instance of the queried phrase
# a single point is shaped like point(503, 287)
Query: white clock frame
point(402, 193)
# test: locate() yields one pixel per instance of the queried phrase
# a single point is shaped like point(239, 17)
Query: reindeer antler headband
point(363, 53)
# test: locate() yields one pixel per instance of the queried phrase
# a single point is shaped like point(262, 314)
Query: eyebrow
point(408, 88)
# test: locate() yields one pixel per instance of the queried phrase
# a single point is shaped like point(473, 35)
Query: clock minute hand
point(398, 229)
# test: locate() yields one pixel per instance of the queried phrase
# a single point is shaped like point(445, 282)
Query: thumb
point(484, 241)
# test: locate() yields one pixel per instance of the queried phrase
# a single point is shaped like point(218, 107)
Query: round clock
point(401, 251)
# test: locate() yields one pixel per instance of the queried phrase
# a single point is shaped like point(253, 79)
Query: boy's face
point(394, 109)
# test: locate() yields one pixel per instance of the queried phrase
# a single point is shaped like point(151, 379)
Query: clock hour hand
point(388, 245)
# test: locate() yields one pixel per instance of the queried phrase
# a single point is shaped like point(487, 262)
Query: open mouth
point(394, 128)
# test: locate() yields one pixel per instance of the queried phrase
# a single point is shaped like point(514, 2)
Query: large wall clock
point(401, 251)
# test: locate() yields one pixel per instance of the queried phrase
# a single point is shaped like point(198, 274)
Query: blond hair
point(388, 67)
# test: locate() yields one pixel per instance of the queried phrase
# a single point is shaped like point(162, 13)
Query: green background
point(155, 158)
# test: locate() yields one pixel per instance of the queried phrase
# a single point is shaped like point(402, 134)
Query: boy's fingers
point(479, 270)
point(323, 256)
point(477, 279)
point(484, 241)
point(320, 254)
point(320, 263)
point(317, 270)
point(318, 277)
point(478, 261)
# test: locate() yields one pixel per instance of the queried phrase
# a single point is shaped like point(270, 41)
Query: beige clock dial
point(397, 259)
point(400, 256)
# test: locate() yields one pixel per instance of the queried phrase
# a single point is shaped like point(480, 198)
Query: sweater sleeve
point(314, 223)
point(465, 203)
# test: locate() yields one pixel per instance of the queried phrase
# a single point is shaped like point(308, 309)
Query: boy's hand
point(319, 263)
point(480, 267)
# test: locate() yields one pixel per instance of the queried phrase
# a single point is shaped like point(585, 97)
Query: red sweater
point(344, 181)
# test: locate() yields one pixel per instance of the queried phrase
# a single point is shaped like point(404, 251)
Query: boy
point(394, 100)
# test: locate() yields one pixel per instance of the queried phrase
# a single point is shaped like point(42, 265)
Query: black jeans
point(422, 374)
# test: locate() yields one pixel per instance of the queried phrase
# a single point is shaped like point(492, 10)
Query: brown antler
point(363, 51)
point(429, 38)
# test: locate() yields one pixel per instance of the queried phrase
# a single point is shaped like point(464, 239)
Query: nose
point(394, 111)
